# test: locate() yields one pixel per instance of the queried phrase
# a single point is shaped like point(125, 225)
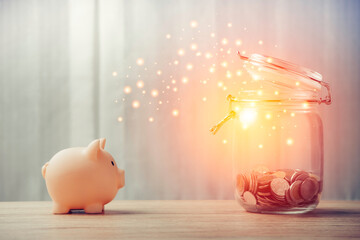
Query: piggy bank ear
point(102, 143)
point(93, 149)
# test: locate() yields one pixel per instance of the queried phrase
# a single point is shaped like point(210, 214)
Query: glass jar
point(277, 137)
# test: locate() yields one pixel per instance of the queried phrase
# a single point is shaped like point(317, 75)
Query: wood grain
point(176, 220)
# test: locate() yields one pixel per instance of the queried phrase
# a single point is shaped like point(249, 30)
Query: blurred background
point(139, 73)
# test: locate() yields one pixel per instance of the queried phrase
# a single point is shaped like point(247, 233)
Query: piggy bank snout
point(120, 178)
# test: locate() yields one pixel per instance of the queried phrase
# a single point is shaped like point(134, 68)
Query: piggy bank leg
point(59, 209)
point(94, 208)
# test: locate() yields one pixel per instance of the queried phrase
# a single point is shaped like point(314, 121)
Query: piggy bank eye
point(112, 163)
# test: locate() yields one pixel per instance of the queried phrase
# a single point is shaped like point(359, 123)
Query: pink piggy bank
point(82, 178)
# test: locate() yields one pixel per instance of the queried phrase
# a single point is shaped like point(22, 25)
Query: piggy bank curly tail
point(43, 169)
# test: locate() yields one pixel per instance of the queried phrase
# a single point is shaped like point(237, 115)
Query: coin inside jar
point(295, 192)
point(279, 186)
point(309, 188)
point(249, 198)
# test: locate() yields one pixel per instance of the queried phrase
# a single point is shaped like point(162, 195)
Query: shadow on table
point(107, 212)
point(323, 212)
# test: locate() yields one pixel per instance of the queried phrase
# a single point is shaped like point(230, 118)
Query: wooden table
point(176, 220)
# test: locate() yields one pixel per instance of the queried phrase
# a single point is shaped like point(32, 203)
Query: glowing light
point(212, 70)
point(119, 119)
point(159, 72)
point(225, 141)
point(297, 83)
point(151, 119)
point(238, 42)
point(140, 61)
point(204, 99)
point(224, 88)
point(173, 81)
point(181, 52)
point(220, 84)
point(284, 110)
point(228, 74)
point(252, 104)
point(255, 77)
point(276, 93)
point(208, 55)
point(239, 73)
point(260, 42)
point(193, 46)
point(185, 80)
point(127, 89)
point(224, 64)
point(229, 24)
point(305, 105)
point(175, 112)
point(175, 89)
point(168, 36)
point(292, 114)
point(269, 60)
point(260, 146)
point(259, 92)
point(268, 116)
point(247, 116)
point(193, 24)
point(154, 93)
point(135, 104)
point(273, 128)
point(289, 141)
point(189, 66)
point(176, 62)
point(212, 35)
point(224, 41)
point(114, 74)
point(198, 54)
point(140, 84)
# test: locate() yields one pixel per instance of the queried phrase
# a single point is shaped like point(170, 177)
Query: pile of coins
point(275, 190)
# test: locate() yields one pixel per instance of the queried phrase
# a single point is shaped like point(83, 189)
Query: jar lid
point(290, 81)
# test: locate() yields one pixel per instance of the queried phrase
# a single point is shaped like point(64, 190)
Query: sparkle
point(260, 42)
point(238, 42)
point(159, 72)
point(208, 55)
point(140, 84)
point(193, 46)
point(114, 74)
point(289, 141)
point(229, 24)
point(198, 54)
point(224, 64)
point(173, 81)
point(119, 119)
point(175, 112)
point(224, 41)
point(189, 66)
point(212, 70)
point(175, 89)
point(176, 62)
point(193, 24)
point(268, 116)
point(204, 99)
point(181, 52)
point(168, 36)
point(135, 104)
point(297, 83)
point(212, 35)
point(269, 60)
point(273, 128)
point(154, 93)
point(259, 92)
point(238, 73)
point(220, 84)
point(140, 61)
point(127, 89)
point(185, 80)
point(228, 74)
point(305, 105)
point(225, 141)
point(247, 116)
point(292, 114)
point(260, 146)
point(276, 93)
point(151, 119)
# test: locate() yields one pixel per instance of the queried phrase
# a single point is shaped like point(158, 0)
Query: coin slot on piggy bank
point(277, 136)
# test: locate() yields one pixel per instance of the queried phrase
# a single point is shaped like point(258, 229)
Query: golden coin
point(278, 187)
point(249, 198)
point(309, 188)
point(295, 192)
